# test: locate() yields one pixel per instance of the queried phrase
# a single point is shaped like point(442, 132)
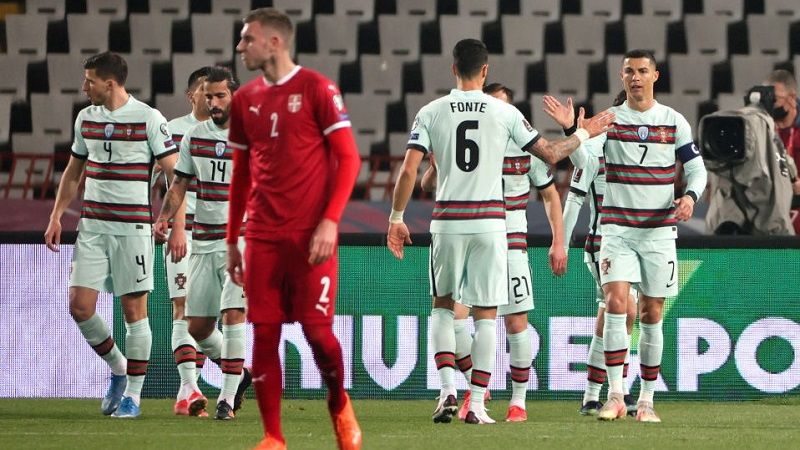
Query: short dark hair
point(620, 98)
point(195, 76)
point(108, 65)
point(271, 17)
point(785, 78)
point(469, 55)
point(641, 53)
point(218, 74)
point(491, 88)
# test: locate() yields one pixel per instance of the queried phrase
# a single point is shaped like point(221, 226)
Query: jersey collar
point(285, 79)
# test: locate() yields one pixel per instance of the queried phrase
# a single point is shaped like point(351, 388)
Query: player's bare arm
point(398, 234)
point(428, 183)
point(174, 202)
point(552, 207)
point(552, 152)
point(67, 190)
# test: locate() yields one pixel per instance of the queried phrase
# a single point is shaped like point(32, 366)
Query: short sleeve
point(522, 132)
point(185, 166)
point(685, 148)
point(582, 178)
point(329, 108)
point(419, 138)
point(540, 174)
point(237, 138)
point(158, 136)
point(79, 149)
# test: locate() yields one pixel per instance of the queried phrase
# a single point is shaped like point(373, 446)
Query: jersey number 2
point(466, 149)
point(324, 301)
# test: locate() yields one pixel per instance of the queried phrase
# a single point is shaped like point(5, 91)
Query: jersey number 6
point(464, 145)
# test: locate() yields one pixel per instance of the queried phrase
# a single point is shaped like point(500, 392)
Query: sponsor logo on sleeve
point(527, 124)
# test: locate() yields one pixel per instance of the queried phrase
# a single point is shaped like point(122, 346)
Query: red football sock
point(328, 355)
point(267, 380)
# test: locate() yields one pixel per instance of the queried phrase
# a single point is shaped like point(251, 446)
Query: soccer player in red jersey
point(294, 166)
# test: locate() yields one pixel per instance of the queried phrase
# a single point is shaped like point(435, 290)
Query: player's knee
point(79, 309)
point(200, 329)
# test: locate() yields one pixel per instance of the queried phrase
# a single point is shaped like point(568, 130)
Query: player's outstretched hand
point(52, 236)
point(176, 245)
point(598, 124)
point(558, 260)
point(397, 237)
point(323, 242)
point(235, 267)
point(564, 115)
point(684, 208)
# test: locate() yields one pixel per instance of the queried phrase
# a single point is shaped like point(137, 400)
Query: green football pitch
point(77, 424)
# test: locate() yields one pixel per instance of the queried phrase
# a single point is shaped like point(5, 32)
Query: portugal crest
point(663, 135)
point(295, 102)
point(109, 130)
point(643, 132)
point(605, 265)
point(180, 280)
point(219, 149)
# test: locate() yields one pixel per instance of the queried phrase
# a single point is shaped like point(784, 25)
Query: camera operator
point(787, 122)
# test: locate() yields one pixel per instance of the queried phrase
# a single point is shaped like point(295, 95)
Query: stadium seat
point(568, 75)
point(116, 9)
point(52, 9)
point(297, 10)
point(33, 157)
point(608, 10)
point(185, 63)
point(585, 36)
point(14, 76)
point(213, 35)
point(139, 82)
point(367, 116)
point(726, 102)
point(398, 144)
point(782, 8)
point(769, 35)
point(172, 105)
point(415, 102)
point(363, 10)
point(732, 10)
point(26, 35)
point(797, 64)
point(328, 65)
point(235, 8)
point(5, 117)
point(455, 28)
point(399, 36)
point(750, 70)
point(549, 10)
point(437, 75)
point(603, 100)
point(151, 36)
point(684, 104)
point(523, 37)
point(337, 36)
point(670, 9)
point(242, 73)
point(177, 9)
point(382, 76)
point(481, 9)
point(613, 69)
point(707, 36)
point(690, 75)
point(51, 115)
point(647, 32)
point(425, 10)
point(88, 34)
point(545, 125)
point(510, 71)
point(65, 76)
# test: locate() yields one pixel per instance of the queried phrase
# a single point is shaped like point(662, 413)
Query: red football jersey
point(283, 127)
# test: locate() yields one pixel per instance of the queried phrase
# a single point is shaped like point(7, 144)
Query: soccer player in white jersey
point(469, 131)
point(184, 348)
point(204, 155)
point(520, 170)
point(116, 140)
point(590, 181)
point(639, 223)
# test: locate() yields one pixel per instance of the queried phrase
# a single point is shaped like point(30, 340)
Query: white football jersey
point(180, 126)
point(119, 147)
point(468, 132)
point(520, 170)
point(590, 182)
point(640, 155)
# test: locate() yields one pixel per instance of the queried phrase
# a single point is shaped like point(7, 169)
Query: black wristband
point(692, 194)
point(569, 131)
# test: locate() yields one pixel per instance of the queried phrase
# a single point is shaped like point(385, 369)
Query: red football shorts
point(281, 285)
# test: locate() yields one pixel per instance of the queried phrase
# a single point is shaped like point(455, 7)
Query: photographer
point(787, 122)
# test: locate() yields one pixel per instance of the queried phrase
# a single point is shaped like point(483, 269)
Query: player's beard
point(219, 120)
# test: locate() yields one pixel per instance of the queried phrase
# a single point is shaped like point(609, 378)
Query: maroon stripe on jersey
point(213, 192)
point(469, 209)
point(119, 132)
point(638, 218)
point(657, 134)
point(518, 202)
point(118, 172)
point(642, 175)
point(206, 148)
point(592, 243)
point(177, 138)
point(517, 241)
point(516, 165)
point(116, 212)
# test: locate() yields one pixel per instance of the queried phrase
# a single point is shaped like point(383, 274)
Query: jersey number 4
point(466, 149)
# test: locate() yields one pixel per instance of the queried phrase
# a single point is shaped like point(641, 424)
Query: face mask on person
point(779, 113)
